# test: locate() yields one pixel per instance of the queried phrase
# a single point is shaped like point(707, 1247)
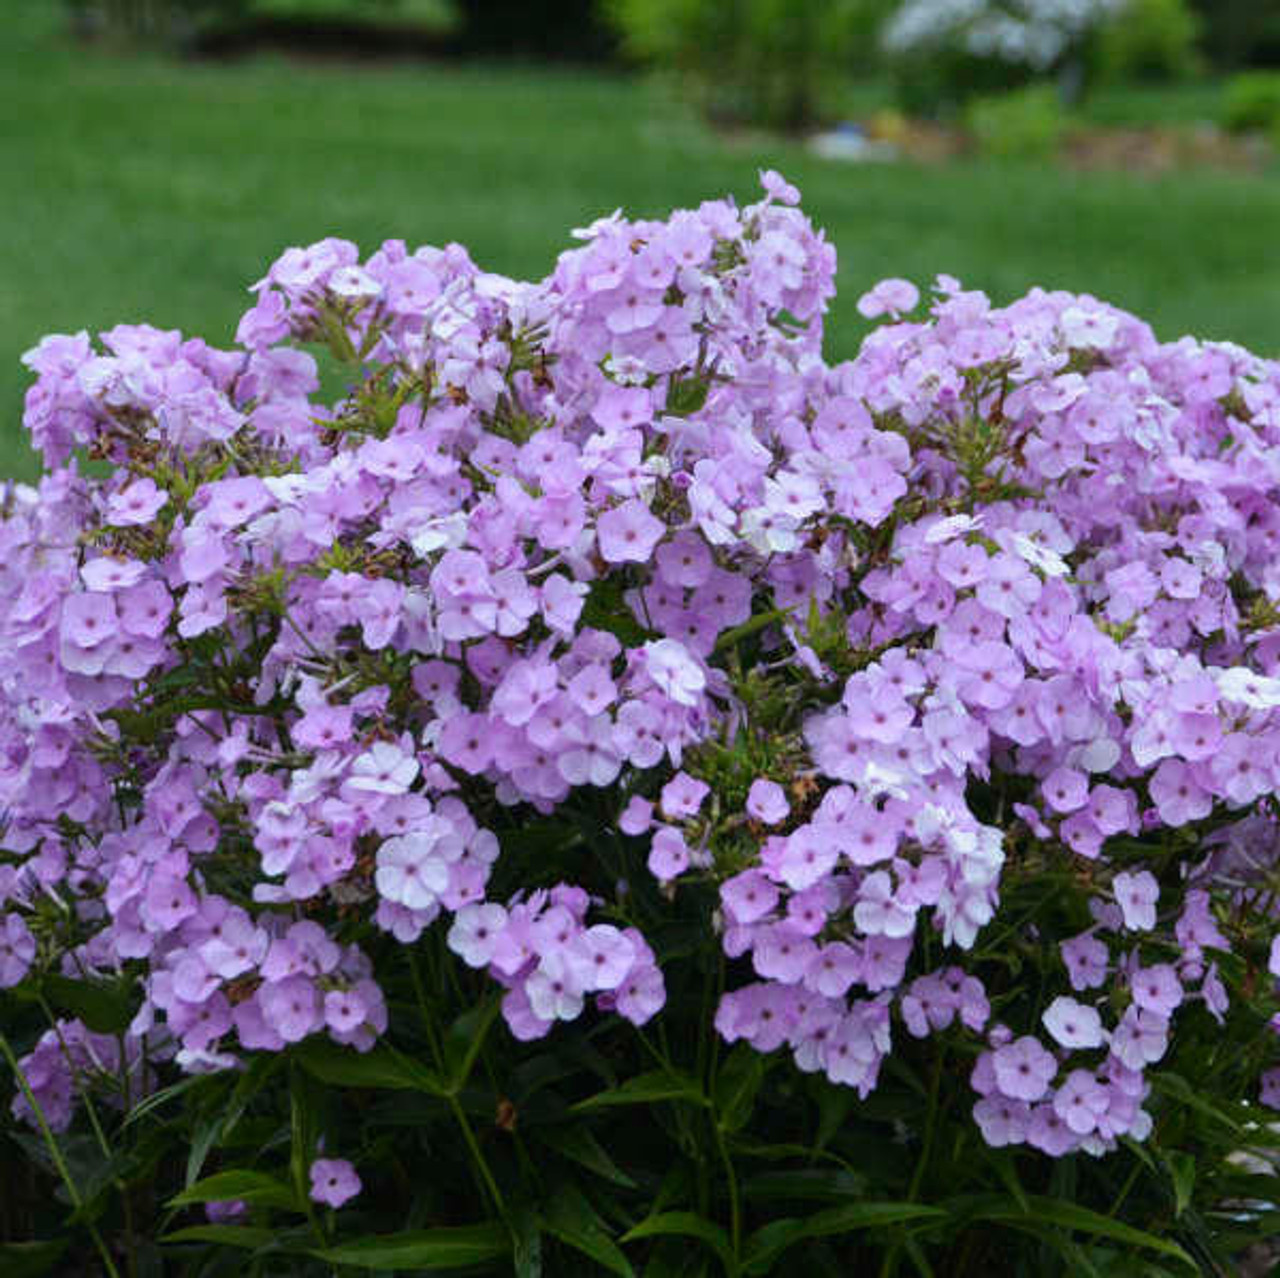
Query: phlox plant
point(611, 792)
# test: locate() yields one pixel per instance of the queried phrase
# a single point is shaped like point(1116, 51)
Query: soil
point(1153, 150)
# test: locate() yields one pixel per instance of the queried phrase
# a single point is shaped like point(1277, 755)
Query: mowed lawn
point(141, 189)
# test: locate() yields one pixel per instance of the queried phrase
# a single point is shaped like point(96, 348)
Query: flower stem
point(55, 1153)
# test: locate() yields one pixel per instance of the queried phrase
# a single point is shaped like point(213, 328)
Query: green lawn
point(136, 189)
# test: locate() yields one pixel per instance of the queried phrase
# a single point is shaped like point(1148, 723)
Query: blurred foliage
point(178, 21)
point(559, 29)
point(1026, 124)
point(1148, 40)
point(940, 84)
point(765, 62)
point(1241, 33)
point(1251, 103)
point(574, 29)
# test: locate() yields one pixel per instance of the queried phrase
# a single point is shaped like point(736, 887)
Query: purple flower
point(1179, 796)
point(628, 533)
point(674, 671)
point(384, 768)
point(1001, 1120)
point(1137, 894)
point(1066, 789)
point(637, 817)
point(17, 949)
point(137, 503)
point(1087, 959)
point(1073, 1025)
point(333, 1181)
point(1081, 1101)
point(889, 297)
point(1140, 1039)
point(1024, 1069)
point(475, 932)
point(292, 1007)
point(682, 796)
point(668, 855)
point(411, 870)
point(767, 802)
point(1269, 1091)
point(554, 989)
point(226, 1211)
point(748, 897)
point(1156, 989)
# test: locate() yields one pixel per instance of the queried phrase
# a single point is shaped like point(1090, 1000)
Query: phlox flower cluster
point(851, 651)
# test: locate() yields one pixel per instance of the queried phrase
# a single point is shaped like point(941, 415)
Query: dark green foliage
point(1027, 124)
point(603, 1149)
point(1241, 32)
point(1251, 103)
point(1148, 40)
point(762, 62)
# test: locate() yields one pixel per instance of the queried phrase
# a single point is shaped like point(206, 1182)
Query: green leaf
point(454, 1247)
point(687, 1224)
point(466, 1037)
point(206, 1134)
point(149, 1104)
point(261, 1070)
point(30, 1259)
point(1002, 1160)
point(381, 1067)
point(605, 608)
point(1182, 1171)
point(224, 1236)
point(766, 1244)
point(761, 621)
point(645, 1089)
point(737, 1082)
point(1051, 1211)
point(808, 1185)
point(1077, 1260)
point(571, 1218)
point(106, 1007)
point(686, 395)
point(254, 1187)
point(526, 1243)
point(578, 1143)
point(1176, 1086)
point(834, 1106)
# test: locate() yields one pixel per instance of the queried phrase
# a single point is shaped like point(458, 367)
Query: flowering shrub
point(1021, 33)
point(946, 52)
point(604, 680)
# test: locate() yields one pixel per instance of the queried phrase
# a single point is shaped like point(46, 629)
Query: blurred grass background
point(139, 187)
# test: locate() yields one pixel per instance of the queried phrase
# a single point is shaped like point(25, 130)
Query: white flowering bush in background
point(1036, 34)
point(946, 51)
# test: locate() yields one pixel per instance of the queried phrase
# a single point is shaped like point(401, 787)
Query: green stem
point(55, 1153)
point(731, 1178)
point(930, 1124)
point(747, 628)
point(477, 1156)
point(131, 1256)
point(477, 1042)
point(890, 1265)
point(1125, 1188)
point(424, 1011)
